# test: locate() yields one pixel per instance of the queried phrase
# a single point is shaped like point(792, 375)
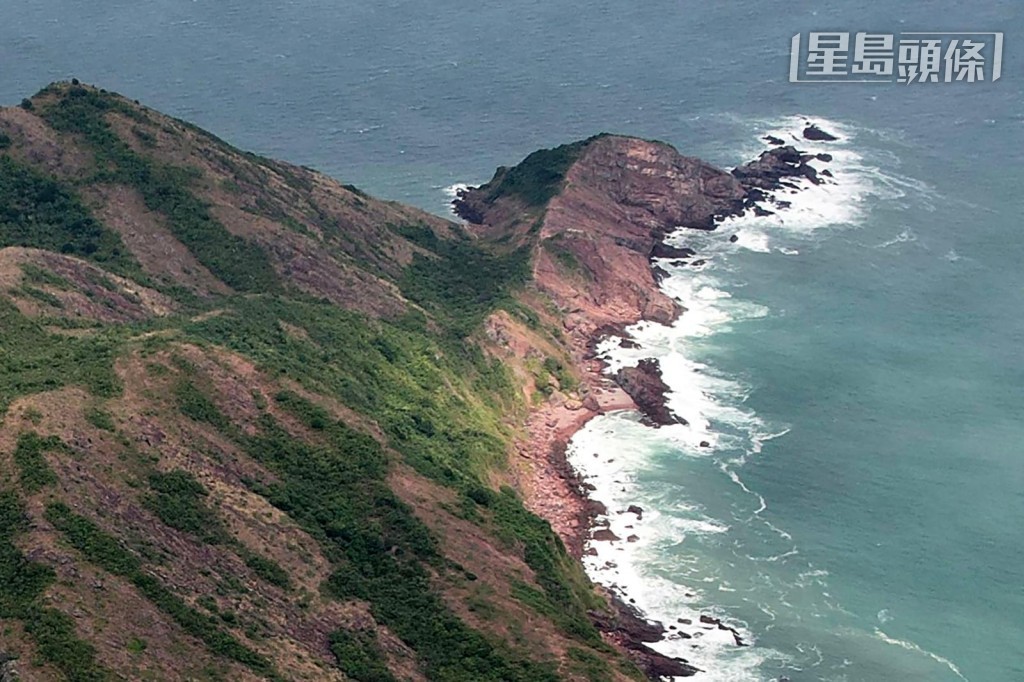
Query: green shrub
point(35, 472)
point(359, 656)
point(38, 212)
point(22, 598)
point(268, 569)
point(101, 419)
point(195, 404)
point(178, 500)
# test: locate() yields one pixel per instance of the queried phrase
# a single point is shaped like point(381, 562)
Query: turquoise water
point(879, 538)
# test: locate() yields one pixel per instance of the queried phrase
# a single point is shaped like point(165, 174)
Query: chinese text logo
point(901, 58)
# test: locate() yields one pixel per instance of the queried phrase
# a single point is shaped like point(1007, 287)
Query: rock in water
point(645, 386)
point(813, 132)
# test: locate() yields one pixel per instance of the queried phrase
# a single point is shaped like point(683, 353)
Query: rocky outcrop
point(773, 168)
point(813, 132)
point(633, 632)
point(645, 386)
point(8, 668)
point(617, 201)
point(608, 202)
point(710, 620)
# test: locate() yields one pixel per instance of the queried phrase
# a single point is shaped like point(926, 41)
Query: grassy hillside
point(251, 426)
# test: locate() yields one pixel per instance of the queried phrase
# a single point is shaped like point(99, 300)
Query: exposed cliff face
point(594, 238)
point(606, 205)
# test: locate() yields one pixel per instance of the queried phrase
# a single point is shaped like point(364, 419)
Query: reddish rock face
point(595, 238)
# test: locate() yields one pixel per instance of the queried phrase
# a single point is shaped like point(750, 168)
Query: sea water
point(854, 364)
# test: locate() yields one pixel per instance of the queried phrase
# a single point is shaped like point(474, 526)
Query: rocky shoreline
point(552, 487)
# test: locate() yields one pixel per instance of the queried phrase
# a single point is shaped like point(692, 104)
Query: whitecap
point(452, 191)
point(902, 238)
point(910, 646)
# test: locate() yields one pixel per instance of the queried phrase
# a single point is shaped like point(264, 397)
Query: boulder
point(813, 132)
point(645, 386)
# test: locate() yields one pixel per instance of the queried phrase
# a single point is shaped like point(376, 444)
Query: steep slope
point(253, 427)
point(259, 425)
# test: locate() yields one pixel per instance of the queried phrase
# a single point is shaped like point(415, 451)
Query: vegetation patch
point(38, 212)
point(267, 569)
point(337, 492)
point(22, 598)
point(101, 419)
point(106, 552)
point(34, 472)
point(33, 360)
point(359, 656)
point(538, 177)
point(238, 262)
point(566, 592)
point(463, 283)
point(178, 500)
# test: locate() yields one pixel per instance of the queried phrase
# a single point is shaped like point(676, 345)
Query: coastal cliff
point(257, 424)
point(595, 214)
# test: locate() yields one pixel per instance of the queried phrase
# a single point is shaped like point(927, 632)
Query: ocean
point(854, 363)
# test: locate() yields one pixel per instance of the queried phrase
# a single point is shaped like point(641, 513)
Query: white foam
point(902, 238)
point(452, 191)
point(910, 646)
point(621, 564)
point(840, 201)
point(713, 406)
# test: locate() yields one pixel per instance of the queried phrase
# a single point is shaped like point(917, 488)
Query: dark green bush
point(35, 473)
point(463, 283)
point(359, 656)
point(178, 500)
point(22, 598)
point(268, 570)
point(38, 212)
point(196, 405)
